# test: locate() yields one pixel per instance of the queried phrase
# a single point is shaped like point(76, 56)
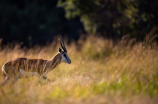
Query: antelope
point(24, 67)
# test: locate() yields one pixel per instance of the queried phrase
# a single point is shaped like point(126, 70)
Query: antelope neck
point(51, 64)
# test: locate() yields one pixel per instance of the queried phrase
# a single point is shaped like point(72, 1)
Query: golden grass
point(99, 74)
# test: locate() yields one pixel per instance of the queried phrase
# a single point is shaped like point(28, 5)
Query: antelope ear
point(60, 50)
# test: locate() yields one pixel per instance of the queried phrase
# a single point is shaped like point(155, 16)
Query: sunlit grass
point(99, 73)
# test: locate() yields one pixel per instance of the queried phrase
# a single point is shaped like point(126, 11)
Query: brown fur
point(12, 67)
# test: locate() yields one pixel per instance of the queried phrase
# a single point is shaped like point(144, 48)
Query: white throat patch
point(64, 59)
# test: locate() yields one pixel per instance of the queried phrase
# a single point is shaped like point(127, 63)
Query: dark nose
point(70, 62)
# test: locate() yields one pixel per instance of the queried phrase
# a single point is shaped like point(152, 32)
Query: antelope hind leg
point(5, 81)
point(15, 79)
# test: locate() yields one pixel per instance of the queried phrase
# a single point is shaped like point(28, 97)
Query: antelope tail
point(3, 71)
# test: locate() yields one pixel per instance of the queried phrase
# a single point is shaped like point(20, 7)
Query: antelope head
point(63, 53)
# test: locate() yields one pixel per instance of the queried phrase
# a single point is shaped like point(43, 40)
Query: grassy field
point(100, 73)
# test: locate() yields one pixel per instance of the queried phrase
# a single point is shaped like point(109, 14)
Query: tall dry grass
point(100, 73)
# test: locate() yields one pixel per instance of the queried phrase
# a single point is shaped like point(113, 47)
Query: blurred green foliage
point(38, 21)
point(114, 19)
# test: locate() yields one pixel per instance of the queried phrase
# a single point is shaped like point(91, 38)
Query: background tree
point(114, 19)
point(38, 21)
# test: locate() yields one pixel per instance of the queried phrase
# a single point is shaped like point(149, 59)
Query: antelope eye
point(65, 55)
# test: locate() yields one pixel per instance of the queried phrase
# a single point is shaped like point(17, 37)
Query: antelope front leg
point(45, 78)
